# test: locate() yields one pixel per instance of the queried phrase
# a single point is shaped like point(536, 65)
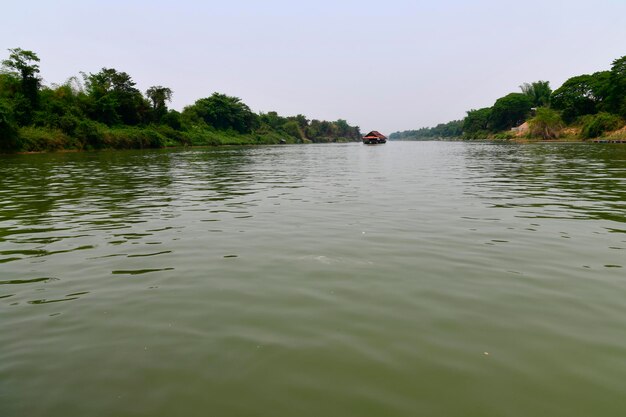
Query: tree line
point(107, 110)
point(589, 105)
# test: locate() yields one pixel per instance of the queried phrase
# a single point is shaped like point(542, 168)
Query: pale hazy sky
point(386, 65)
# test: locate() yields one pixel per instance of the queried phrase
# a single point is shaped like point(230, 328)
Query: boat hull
point(374, 141)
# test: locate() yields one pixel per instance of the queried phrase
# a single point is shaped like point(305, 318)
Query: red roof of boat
point(374, 134)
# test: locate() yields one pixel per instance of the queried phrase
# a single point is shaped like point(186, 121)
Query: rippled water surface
point(407, 279)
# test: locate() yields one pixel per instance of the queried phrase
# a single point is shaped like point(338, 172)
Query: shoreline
point(519, 141)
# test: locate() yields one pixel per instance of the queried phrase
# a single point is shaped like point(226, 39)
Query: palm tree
point(539, 93)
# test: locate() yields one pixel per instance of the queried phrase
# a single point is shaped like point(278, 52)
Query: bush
point(172, 136)
point(9, 139)
point(477, 135)
point(594, 126)
point(198, 136)
point(36, 139)
point(90, 134)
point(292, 129)
point(132, 138)
point(546, 124)
point(503, 136)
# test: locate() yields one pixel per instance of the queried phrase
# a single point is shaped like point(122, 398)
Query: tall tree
point(580, 95)
point(617, 89)
point(509, 111)
point(159, 95)
point(476, 123)
point(24, 64)
point(538, 92)
point(115, 98)
point(223, 112)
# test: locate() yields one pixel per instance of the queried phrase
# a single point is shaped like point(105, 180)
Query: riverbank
point(31, 139)
point(105, 110)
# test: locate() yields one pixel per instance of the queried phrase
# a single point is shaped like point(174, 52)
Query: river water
point(405, 279)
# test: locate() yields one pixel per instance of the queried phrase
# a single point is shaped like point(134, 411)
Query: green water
point(407, 279)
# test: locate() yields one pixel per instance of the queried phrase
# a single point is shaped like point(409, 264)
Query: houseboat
point(374, 137)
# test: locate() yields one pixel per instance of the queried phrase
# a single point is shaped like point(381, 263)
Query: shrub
point(503, 136)
point(132, 138)
point(594, 126)
point(43, 139)
point(9, 139)
point(90, 134)
point(546, 124)
point(292, 129)
point(172, 136)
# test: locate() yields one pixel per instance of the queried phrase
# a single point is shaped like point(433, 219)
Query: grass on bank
point(94, 136)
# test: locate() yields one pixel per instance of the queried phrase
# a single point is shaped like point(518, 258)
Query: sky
point(382, 65)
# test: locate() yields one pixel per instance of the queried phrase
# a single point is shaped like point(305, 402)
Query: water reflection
point(100, 203)
point(550, 180)
point(299, 268)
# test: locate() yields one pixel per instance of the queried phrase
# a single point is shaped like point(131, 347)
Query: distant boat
point(374, 137)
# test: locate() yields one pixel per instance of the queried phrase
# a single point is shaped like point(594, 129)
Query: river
point(405, 279)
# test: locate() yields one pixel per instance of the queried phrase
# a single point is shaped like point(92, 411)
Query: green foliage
point(581, 95)
point(292, 129)
point(576, 101)
point(110, 112)
point(596, 125)
point(324, 131)
point(9, 140)
point(272, 120)
point(60, 108)
point(476, 124)
point(547, 124)
point(450, 130)
point(35, 139)
point(129, 137)
point(24, 64)
point(173, 137)
point(90, 134)
point(114, 98)
point(9, 85)
point(538, 92)
point(302, 121)
point(616, 100)
point(223, 112)
point(503, 136)
point(173, 119)
point(509, 111)
point(159, 95)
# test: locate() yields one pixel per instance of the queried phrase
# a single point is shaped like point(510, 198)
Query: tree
point(538, 92)
point(223, 112)
point(303, 122)
point(580, 95)
point(172, 119)
point(509, 111)
point(342, 128)
point(292, 129)
point(617, 87)
point(61, 107)
point(272, 119)
point(159, 95)
point(476, 123)
point(114, 97)
point(24, 64)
